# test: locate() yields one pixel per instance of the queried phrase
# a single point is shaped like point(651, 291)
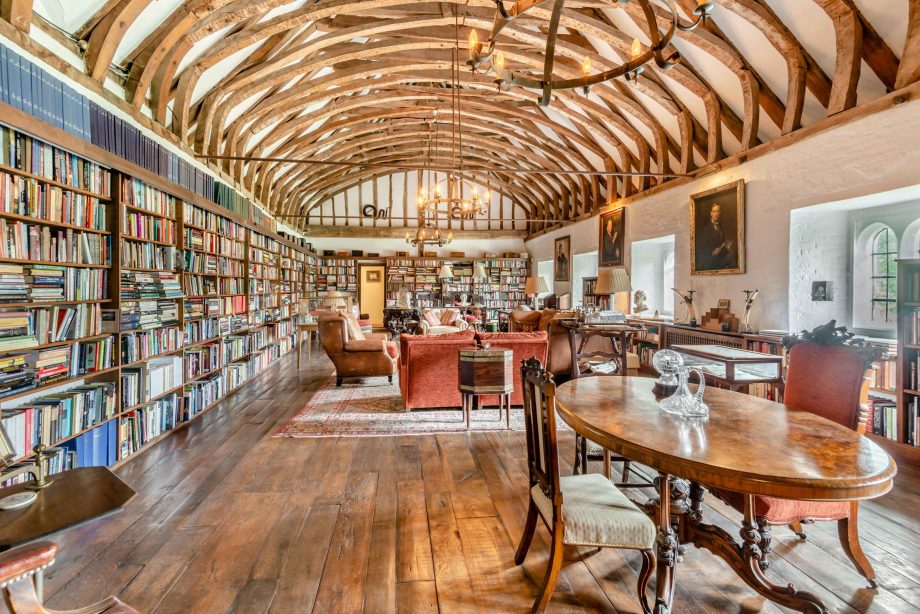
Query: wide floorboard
point(229, 519)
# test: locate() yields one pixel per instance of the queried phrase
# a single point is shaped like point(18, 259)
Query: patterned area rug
point(374, 408)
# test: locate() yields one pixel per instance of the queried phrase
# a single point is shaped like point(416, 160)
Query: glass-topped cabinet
point(733, 367)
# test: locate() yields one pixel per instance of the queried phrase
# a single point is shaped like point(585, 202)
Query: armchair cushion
point(432, 318)
point(373, 345)
point(354, 327)
point(596, 513)
point(786, 511)
point(546, 316)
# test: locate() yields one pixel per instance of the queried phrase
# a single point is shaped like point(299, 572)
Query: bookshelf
point(133, 302)
point(906, 413)
point(337, 274)
point(504, 288)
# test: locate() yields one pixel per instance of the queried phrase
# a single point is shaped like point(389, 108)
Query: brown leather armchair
point(357, 354)
point(21, 567)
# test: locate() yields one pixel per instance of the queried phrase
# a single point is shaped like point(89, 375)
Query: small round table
point(486, 372)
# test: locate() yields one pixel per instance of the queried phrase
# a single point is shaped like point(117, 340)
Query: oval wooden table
point(748, 445)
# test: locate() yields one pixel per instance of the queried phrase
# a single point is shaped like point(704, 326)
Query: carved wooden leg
point(338, 381)
point(389, 379)
point(796, 527)
point(666, 543)
point(552, 571)
point(645, 574)
point(625, 476)
point(530, 526)
point(581, 456)
point(848, 531)
point(766, 538)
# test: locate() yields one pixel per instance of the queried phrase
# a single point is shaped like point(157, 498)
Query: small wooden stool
point(486, 372)
point(309, 329)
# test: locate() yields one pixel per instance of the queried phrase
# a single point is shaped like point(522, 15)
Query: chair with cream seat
point(578, 510)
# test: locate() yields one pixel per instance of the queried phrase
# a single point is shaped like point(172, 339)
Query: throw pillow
point(448, 317)
point(354, 328)
point(432, 318)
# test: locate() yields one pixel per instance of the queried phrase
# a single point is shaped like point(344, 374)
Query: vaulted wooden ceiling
point(370, 81)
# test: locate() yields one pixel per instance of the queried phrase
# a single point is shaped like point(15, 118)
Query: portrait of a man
point(819, 291)
point(562, 259)
point(610, 244)
point(717, 230)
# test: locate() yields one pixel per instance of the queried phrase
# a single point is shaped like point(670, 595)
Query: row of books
point(912, 374)
point(214, 243)
point(46, 282)
point(912, 326)
point(50, 418)
point(138, 194)
point(884, 375)
point(209, 328)
point(30, 155)
point(145, 382)
point(141, 226)
point(138, 427)
point(203, 393)
point(137, 255)
point(201, 360)
point(261, 271)
point(30, 88)
point(28, 328)
point(147, 344)
point(263, 242)
point(208, 220)
point(140, 285)
point(22, 372)
point(210, 264)
point(882, 418)
point(23, 241)
point(31, 197)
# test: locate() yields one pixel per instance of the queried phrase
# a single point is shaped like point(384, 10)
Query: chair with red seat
point(828, 381)
point(21, 568)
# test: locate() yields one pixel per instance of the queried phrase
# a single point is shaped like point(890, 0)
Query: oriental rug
point(373, 408)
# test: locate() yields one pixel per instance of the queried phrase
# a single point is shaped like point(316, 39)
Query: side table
point(486, 371)
point(309, 330)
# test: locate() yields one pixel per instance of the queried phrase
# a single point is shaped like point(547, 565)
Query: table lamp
point(613, 281)
point(479, 272)
point(535, 286)
point(338, 299)
point(446, 271)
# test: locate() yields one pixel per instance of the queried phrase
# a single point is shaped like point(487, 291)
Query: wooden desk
point(75, 497)
point(309, 330)
point(748, 445)
point(620, 336)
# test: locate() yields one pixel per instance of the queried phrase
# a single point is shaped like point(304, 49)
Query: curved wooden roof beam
point(18, 13)
point(848, 35)
point(909, 69)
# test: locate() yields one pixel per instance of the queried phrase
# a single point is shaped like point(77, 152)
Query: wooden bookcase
point(214, 311)
point(908, 381)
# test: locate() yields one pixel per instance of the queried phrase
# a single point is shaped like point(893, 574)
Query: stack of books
point(15, 376)
point(16, 331)
point(46, 283)
point(146, 315)
point(13, 287)
point(51, 365)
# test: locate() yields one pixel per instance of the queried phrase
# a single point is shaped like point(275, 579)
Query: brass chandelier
point(505, 78)
point(428, 234)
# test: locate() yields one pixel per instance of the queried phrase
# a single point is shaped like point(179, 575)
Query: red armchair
point(830, 382)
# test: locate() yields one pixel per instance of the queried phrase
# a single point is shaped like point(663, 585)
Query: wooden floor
point(229, 519)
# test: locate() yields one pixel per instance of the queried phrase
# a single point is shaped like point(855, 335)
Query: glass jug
point(685, 403)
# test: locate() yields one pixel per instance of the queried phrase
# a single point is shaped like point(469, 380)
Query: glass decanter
point(668, 364)
point(683, 402)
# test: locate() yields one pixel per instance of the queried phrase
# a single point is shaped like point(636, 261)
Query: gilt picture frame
point(562, 259)
point(611, 238)
point(717, 230)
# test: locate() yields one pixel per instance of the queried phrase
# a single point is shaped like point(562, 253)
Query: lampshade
point(535, 285)
point(479, 271)
point(611, 281)
point(338, 298)
point(445, 271)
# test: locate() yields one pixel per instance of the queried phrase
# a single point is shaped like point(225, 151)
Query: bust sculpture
point(639, 298)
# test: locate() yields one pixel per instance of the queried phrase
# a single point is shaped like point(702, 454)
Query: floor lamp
point(534, 287)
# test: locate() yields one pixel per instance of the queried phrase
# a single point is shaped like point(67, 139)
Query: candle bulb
point(636, 48)
point(474, 39)
point(586, 66)
point(500, 60)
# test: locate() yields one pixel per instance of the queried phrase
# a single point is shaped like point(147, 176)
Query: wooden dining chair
point(829, 381)
point(578, 510)
point(21, 567)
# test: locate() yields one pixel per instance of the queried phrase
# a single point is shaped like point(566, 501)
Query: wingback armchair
point(19, 571)
point(441, 321)
point(355, 353)
point(829, 381)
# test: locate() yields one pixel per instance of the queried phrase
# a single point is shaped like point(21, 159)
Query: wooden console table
point(748, 445)
point(620, 336)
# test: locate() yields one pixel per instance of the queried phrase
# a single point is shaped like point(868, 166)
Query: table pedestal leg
point(667, 545)
point(507, 400)
point(299, 347)
point(744, 558)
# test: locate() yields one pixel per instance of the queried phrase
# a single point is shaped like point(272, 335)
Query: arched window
point(884, 276)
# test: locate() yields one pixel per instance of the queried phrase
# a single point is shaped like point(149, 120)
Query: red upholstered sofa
point(429, 365)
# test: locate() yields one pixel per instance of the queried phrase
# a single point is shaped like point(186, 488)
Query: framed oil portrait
point(562, 259)
point(372, 276)
point(717, 230)
point(610, 250)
